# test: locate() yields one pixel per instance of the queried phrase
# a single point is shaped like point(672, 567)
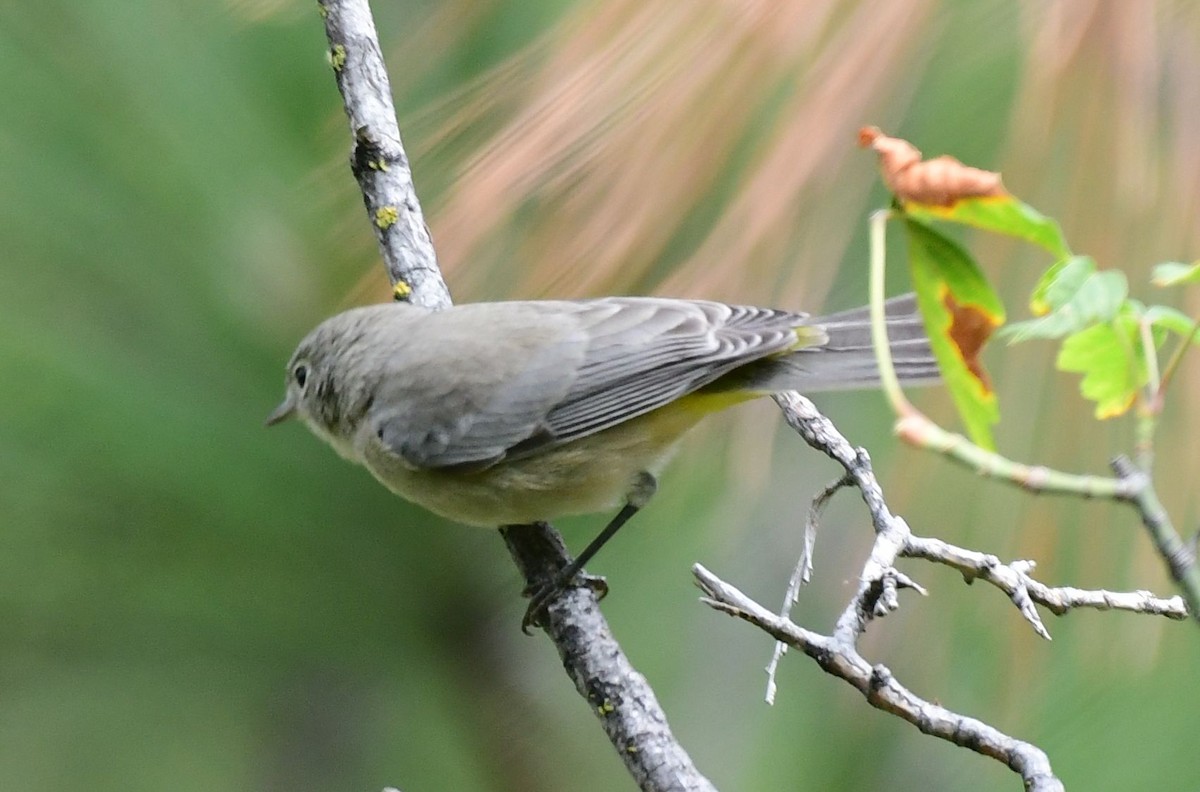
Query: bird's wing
point(644, 353)
point(583, 367)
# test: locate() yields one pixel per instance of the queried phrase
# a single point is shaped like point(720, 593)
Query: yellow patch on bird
point(809, 336)
point(702, 403)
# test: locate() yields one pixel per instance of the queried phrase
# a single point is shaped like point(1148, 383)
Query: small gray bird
point(515, 412)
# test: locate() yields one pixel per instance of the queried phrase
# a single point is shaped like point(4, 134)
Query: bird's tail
point(847, 360)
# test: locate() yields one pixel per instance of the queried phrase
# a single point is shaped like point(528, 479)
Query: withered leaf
point(941, 181)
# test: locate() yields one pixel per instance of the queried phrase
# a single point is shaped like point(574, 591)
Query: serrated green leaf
point(1002, 214)
point(1105, 354)
point(1173, 273)
point(961, 310)
point(1099, 297)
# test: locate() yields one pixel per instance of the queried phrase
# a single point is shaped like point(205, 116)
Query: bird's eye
point(301, 374)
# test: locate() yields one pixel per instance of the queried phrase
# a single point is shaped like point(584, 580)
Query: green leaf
point(1173, 273)
point(1078, 297)
point(1059, 283)
point(1177, 322)
point(1106, 355)
point(961, 311)
point(1002, 214)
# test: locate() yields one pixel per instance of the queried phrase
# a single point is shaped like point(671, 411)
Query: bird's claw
point(540, 597)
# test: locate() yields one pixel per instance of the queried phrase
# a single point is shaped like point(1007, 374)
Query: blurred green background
point(190, 602)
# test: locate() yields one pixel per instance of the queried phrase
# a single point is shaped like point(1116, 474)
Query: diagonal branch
point(882, 690)
point(877, 595)
point(1180, 559)
point(619, 696)
point(378, 161)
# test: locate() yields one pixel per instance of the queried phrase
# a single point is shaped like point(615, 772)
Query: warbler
point(500, 413)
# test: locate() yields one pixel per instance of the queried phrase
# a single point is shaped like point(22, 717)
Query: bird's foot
point(540, 597)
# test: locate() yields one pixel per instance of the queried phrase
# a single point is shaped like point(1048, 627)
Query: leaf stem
point(1173, 366)
point(1147, 421)
point(889, 383)
point(1150, 353)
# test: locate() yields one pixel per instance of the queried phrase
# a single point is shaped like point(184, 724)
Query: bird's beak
point(284, 411)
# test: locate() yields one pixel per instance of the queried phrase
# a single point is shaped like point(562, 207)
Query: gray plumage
point(515, 411)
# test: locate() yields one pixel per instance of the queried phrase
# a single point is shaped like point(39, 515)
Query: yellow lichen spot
point(322, 10)
point(337, 57)
point(401, 291)
point(379, 165)
point(605, 707)
point(386, 217)
point(631, 749)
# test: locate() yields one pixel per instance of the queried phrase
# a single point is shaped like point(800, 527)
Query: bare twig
point(619, 696)
point(877, 595)
point(890, 531)
point(881, 689)
point(1014, 579)
point(1181, 562)
point(802, 572)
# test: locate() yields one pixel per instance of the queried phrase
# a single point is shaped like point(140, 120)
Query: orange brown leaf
point(942, 181)
point(961, 310)
point(970, 328)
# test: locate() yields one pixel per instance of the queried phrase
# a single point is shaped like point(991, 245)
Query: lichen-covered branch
point(618, 695)
point(378, 160)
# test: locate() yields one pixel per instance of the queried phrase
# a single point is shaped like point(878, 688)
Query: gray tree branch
point(378, 161)
point(881, 689)
point(878, 594)
point(1178, 556)
point(618, 695)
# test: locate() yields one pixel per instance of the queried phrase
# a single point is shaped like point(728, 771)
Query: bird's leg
point(644, 486)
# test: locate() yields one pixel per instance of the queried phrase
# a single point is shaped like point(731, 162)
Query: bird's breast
point(591, 474)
